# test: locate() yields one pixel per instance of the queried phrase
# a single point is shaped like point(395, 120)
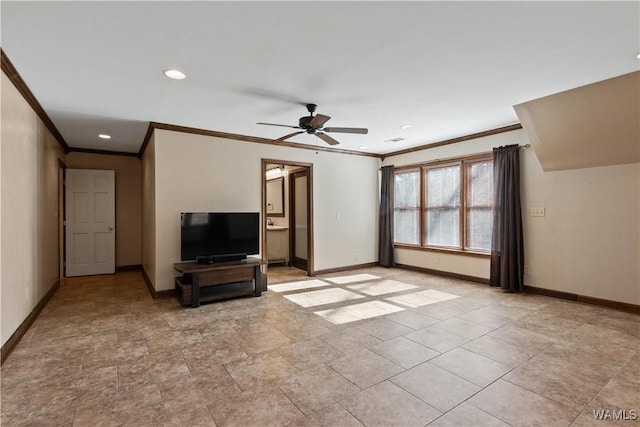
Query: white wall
point(201, 173)
point(149, 211)
point(589, 241)
point(29, 254)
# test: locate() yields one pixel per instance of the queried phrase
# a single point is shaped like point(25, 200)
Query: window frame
point(464, 162)
point(417, 208)
point(425, 198)
point(467, 205)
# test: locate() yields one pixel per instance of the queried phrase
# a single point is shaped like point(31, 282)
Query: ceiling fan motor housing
point(313, 125)
point(304, 122)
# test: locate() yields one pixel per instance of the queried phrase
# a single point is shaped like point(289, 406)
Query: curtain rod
point(519, 147)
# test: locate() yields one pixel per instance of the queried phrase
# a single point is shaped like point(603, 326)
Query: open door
point(299, 219)
point(90, 222)
point(298, 212)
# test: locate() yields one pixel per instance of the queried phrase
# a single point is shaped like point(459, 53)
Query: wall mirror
point(275, 197)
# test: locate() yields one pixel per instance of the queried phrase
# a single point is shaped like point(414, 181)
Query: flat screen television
point(208, 237)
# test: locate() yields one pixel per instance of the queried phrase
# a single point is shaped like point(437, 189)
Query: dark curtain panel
point(385, 227)
point(507, 248)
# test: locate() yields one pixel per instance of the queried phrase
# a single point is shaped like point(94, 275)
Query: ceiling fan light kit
point(313, 125)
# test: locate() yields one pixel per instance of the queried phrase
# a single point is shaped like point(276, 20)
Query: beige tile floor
point(410, 350)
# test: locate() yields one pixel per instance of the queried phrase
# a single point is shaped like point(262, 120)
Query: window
point(406, 209)
point(479, 205)
point(445, 205)
point(442, 207)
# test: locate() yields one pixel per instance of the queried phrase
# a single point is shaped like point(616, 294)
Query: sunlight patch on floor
point(296, 286)
point(419, 299)
point(381, 287)
point(439, 295)
point(351, 279)
point(353, 313)
point(321, 297)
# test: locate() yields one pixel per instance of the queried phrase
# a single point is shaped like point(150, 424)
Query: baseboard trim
point(444, 273)
point(170, 293)
point(551, 293)
point(15, 338)
point(346, 268)
point(617, 305)
point(148, 282)
point(134, 267)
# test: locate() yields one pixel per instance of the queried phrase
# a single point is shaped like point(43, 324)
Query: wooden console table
point(198, 280)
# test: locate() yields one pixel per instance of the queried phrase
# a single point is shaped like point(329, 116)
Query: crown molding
point(245, 138)
point(490, 132)
point(13, 75)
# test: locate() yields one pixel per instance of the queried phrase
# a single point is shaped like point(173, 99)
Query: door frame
point(293, 175)
point(111, 227)
point(310, 245)
point(62, 212)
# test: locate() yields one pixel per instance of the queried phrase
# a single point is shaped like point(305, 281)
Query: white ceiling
point(447, 68)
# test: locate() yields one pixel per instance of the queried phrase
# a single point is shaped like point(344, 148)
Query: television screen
point(218, 233)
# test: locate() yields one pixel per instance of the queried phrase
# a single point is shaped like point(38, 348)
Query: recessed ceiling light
point(398, 139)
point(638, 56)
point(362, 147)
point(104, 136)
point(174, 74)
point(405, 127)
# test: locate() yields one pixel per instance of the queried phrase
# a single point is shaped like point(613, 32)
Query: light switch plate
point(537, 212)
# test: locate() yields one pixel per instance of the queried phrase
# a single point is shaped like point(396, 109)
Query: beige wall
point(200, 173)
point(29, 254)
point(589, 241)
point(149, 211)
point(128, 171)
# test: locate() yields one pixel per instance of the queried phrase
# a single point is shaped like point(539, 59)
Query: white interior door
point(90, 222)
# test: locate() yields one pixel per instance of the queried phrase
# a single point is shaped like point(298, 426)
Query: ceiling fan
point(314, 125)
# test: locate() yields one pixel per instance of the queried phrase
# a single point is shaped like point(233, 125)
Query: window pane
point(443, 206)
point(443, 227)
point(407, 190)
point(479, 229)
point(443, 187)
point(480, 203)
point(481, 176)
point(406, 227)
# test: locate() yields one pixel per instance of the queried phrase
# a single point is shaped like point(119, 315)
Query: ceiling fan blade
point(275, 124)
point(319, 120)
point(326, 138)
point(284, 138)
point(362, 131)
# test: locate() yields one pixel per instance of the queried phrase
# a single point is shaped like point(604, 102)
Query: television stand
point(210, 282)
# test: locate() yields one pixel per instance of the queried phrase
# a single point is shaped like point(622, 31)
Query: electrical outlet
point(527, 269)
point(537, 212)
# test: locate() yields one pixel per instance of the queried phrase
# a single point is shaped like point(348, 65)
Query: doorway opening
point(287, 212)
